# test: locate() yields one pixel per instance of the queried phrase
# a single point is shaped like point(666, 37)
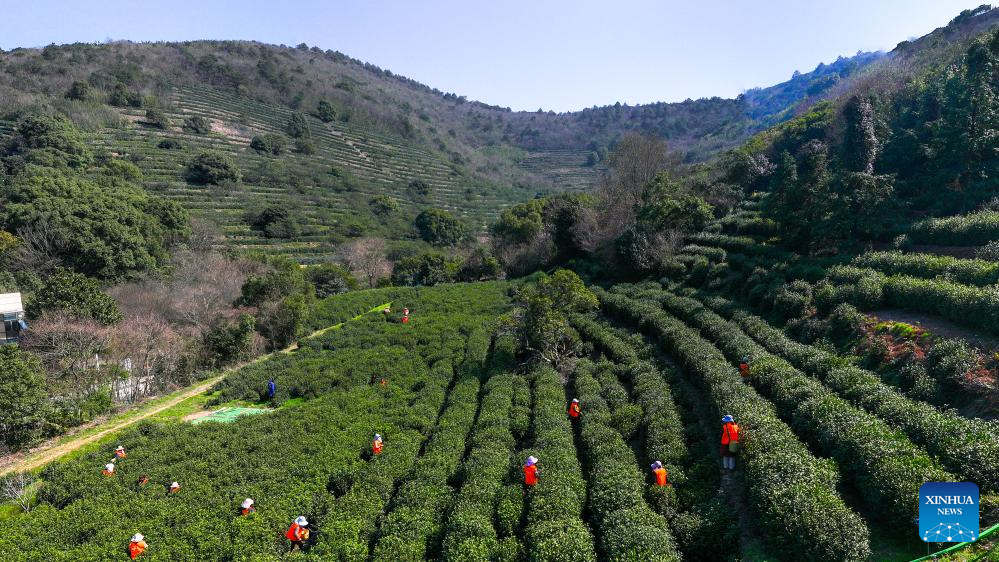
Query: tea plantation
point(831, 462)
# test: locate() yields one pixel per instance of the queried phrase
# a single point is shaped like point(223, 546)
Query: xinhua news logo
point(948, 512)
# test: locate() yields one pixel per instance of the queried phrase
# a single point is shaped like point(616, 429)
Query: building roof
point(11, 302)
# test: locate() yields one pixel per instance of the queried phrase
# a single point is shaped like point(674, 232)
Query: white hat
point(378, 437)
point(247, 503)
point(531, 460)
point(120, 448)
point(575, 399)
point(302, 521)
point(175, 485)
point(137, 537)
point(109, 466)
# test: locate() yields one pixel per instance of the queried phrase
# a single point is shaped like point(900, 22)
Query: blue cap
point(728, 419)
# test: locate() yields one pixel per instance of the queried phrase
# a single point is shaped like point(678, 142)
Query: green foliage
point(75, 294)
point(330, 280)
point(325, 111)
point(383, 205)
point(971, 272)
point(170, 144)
point(79, 91)
point(520, 223)
point(973, 229)
point(212, 167)
point(419, 188)
point(305, 146)
point(50, 141)
point(276, 221)
point(440, 228)
point(298, 126)
point(104, 227)
point(23, 398)
point(197, 124)
point(227, 343)
point(426, 269)
point(284, 278)
point(156, 117)
point(124, 170)
point(272, 143)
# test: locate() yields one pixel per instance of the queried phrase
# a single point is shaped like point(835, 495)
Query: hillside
point(380, 135)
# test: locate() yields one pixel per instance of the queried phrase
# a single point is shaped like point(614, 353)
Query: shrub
point(325, 111)
point(305, 147)
point(198, 125)
point(212, 167)
point(157, 118)
point(170, 144)
point(439, 227)
point(973, 229)
point(272, 143)
point(75, 294)
point(298, 126)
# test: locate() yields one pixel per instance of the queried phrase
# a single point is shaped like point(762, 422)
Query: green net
point(226, 415)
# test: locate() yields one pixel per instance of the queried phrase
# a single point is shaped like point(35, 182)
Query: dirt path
point(53, 450)
point(939, 327)
point(65, 444)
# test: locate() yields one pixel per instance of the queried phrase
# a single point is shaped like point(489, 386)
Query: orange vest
point(246, 511)
point(531, 475)
point(136, 548)
point(574, 409)
point(661, 477)
point(376, 447)
point(405, 319)
point(730, 433)
point(105, 472)
point(295, 532)
point(744, 369)
point(120, 454)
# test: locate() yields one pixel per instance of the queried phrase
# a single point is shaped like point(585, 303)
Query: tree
point(383, 205)
point(480, 265)
point(212, 167)
point(419, 188)
point(284, 278)
point(102, 226)
point(23, 397)
point(276, 221)
point(305, 146)
point(52, 141)
point(860, 141)
point(298, 126)
point(520, 223)
point(330, 279)
point(365, 258)
point(157, 118)
point(281, 322)
point(325, 111)
point(426, 269)
point(198, 125)
point(19, 488)
point(272, 143)
point(79, 91)
point(228, 342)
point(439, 227)
point(544, 311)
point(74, 294)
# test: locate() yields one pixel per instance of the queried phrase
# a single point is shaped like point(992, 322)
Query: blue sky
point(552, 54)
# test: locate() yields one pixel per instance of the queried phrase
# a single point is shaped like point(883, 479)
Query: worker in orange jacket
point(137, 545)
point(174, 488)
point(729, 442)
point(659, 471)
point(574, 409)
point(298, 533)
point(120, 452)
point(142, 481)
point(108, 469)
point(246, 507)
point(744, 366)
point(531, 471)
point(377, 444)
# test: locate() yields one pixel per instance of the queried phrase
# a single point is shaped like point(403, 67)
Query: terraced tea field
point(829, 464)
point(331, 189)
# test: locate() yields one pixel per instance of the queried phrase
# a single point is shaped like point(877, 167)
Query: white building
point(12, 314)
